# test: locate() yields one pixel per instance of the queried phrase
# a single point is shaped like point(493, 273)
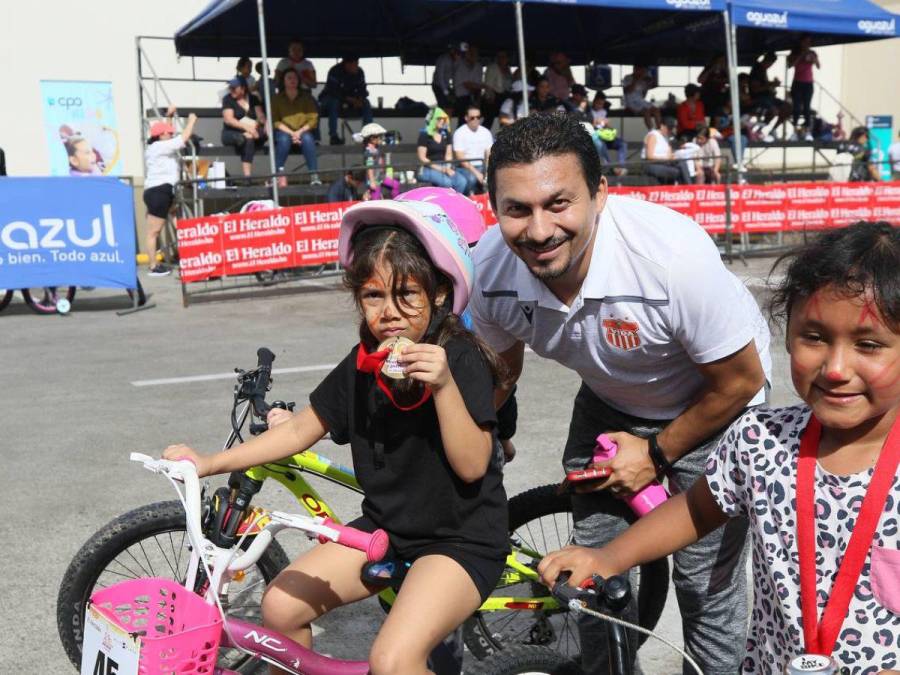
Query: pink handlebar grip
point(375, 544)
point(646, 499)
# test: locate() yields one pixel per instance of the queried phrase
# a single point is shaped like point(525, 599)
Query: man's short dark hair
point(472, 106)
point(531, 138)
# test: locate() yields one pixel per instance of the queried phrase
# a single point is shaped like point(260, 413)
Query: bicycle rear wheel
point(44, 300)
point(5, 298)
point(540, 519)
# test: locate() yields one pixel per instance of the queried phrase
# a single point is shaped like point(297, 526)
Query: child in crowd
point(423, 444)
point(380, 181)
point(818, 481)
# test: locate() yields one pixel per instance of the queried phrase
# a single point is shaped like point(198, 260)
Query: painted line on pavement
point(227, 376)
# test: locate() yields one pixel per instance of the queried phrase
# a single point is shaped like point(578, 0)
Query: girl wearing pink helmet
point(414, 399)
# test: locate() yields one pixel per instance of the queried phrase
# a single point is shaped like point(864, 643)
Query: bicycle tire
point(46, 304)
point(528, 660)
point(5, 298)
point(527, 511)
point(117, 537)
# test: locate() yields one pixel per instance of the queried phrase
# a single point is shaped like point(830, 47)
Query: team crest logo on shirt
point(622, 334)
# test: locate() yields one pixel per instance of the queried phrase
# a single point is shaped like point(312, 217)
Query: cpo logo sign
point(877, 27)
point(65, 102)
point(767, 19)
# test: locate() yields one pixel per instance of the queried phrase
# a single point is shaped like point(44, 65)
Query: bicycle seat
point(386, 572)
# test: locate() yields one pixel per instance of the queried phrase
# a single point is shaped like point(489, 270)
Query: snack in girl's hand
point(393, 365)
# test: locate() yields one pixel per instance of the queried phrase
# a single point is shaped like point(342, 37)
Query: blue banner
point(66, 232)
point(81, 130)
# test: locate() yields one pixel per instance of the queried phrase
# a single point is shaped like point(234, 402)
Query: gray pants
point(709, 576)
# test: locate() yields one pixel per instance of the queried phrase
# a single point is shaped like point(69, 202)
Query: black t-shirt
point(434, 150)
point(229, 103)
point(410, 488)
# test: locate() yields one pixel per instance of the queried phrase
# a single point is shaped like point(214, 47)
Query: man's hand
point(426, 363)
point(632, 468)
point(580, 561)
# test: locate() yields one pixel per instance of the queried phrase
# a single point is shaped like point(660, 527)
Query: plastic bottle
point(643, 501)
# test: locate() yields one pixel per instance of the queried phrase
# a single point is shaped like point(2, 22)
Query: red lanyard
point(821, 636)
point(371, 363)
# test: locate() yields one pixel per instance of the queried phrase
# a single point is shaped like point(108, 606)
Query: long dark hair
point(858, 259)
point(408, 259)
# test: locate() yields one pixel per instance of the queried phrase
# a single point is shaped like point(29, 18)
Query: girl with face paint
point(819, 481)
point(414, 399)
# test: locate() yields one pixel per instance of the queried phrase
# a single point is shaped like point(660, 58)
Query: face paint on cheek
point(886, 378)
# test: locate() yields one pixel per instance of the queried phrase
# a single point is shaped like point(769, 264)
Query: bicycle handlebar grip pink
point(375, 544)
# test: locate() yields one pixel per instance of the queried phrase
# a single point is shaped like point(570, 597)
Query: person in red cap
point(162, 172)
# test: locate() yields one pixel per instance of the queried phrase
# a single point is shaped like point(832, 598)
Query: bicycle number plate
point(107, 649)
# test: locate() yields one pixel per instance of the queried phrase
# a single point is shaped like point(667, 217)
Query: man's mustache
point(540, 247)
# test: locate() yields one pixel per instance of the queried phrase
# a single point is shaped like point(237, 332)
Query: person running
point(819, 481)
point(162, 173)
point(423, 445)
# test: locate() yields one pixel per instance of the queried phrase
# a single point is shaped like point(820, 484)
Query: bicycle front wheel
point(44, 300)
point(151, 541)
point(540, 521)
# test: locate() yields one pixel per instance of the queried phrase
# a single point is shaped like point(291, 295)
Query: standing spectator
point(243, 70)
point(161, 175)
point(635, 88)
point(379, 177)
point(691, 113)
point(442, 79)
point(607, 134)
point(559, 75)
point(497, 87)
point(513, 108)
point(297, 62)
point(660, 159)
point(468, 80)
point(893, 155)
point(261, 95)
point(294, 118)
point(243, 119)
point(710, 157)
point(347, 187)
point(713, 81)
point(471, 145)
point(763, 98)
point(345, 88)
point(862, 168)
point(435, 153)
point(802, 59)
point(543, 101)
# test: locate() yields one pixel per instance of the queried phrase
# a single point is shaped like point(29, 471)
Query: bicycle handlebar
point(264, 360)
point(374, 544)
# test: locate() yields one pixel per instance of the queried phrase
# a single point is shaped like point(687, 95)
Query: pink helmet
point(428, 222)
point(462, 210)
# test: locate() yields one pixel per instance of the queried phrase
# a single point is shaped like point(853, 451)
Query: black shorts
point(158, 200)
point(484, 571)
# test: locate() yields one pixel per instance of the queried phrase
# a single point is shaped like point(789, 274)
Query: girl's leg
point(155, 225)
point(437, 596)
point(393, 185)
point(317, 582)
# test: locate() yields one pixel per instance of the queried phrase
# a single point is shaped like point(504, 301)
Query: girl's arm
point(468, 446)
point(671, 526)
point(296, 435)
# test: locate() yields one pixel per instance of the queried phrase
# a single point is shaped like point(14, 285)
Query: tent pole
point(731, 53)
point(267, 95)
point(520, 36)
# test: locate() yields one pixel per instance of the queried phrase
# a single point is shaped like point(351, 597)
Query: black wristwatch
point(658, 457)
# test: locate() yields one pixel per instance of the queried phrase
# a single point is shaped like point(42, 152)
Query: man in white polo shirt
point(471, 145)
point(670, 346)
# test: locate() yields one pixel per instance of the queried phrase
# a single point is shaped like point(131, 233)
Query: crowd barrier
point(300, 236)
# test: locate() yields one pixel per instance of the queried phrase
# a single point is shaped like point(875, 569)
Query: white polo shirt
point(656, 301)
point(474, 144)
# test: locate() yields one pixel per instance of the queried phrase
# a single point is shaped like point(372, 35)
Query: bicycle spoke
point(165, 557)
point(147, 558)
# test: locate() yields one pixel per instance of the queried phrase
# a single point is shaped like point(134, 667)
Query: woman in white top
point(660, 160)
point(161, 175)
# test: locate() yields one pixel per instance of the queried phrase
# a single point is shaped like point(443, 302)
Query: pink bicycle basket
point(179, 631)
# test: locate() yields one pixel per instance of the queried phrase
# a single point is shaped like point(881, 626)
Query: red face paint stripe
point(869, 311)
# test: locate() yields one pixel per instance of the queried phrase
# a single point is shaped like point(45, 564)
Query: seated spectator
point(635, 88)
point(578, 105)
point(660, 159)
point(442, 79)
point(893, 156)
point(763, 99)
point(243, 122)
point(471, 146)
point(691, 113)
point(497, 87)
point(723, 125)
point(709, 157)
point(297, 62)
point(435, 153)
point(862, 167)
point(294, 118)
point(607, 136)
point(513, 108)
point(468, 80)
point(543, 101)
point(380, 182)
point(345, 89)
point(559, 76)
point(713, 81)
point(347, 188)
point(243, 70)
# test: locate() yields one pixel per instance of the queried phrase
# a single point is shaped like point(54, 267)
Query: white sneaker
point(808, 137)
point(768, 138)
point(314, 179)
